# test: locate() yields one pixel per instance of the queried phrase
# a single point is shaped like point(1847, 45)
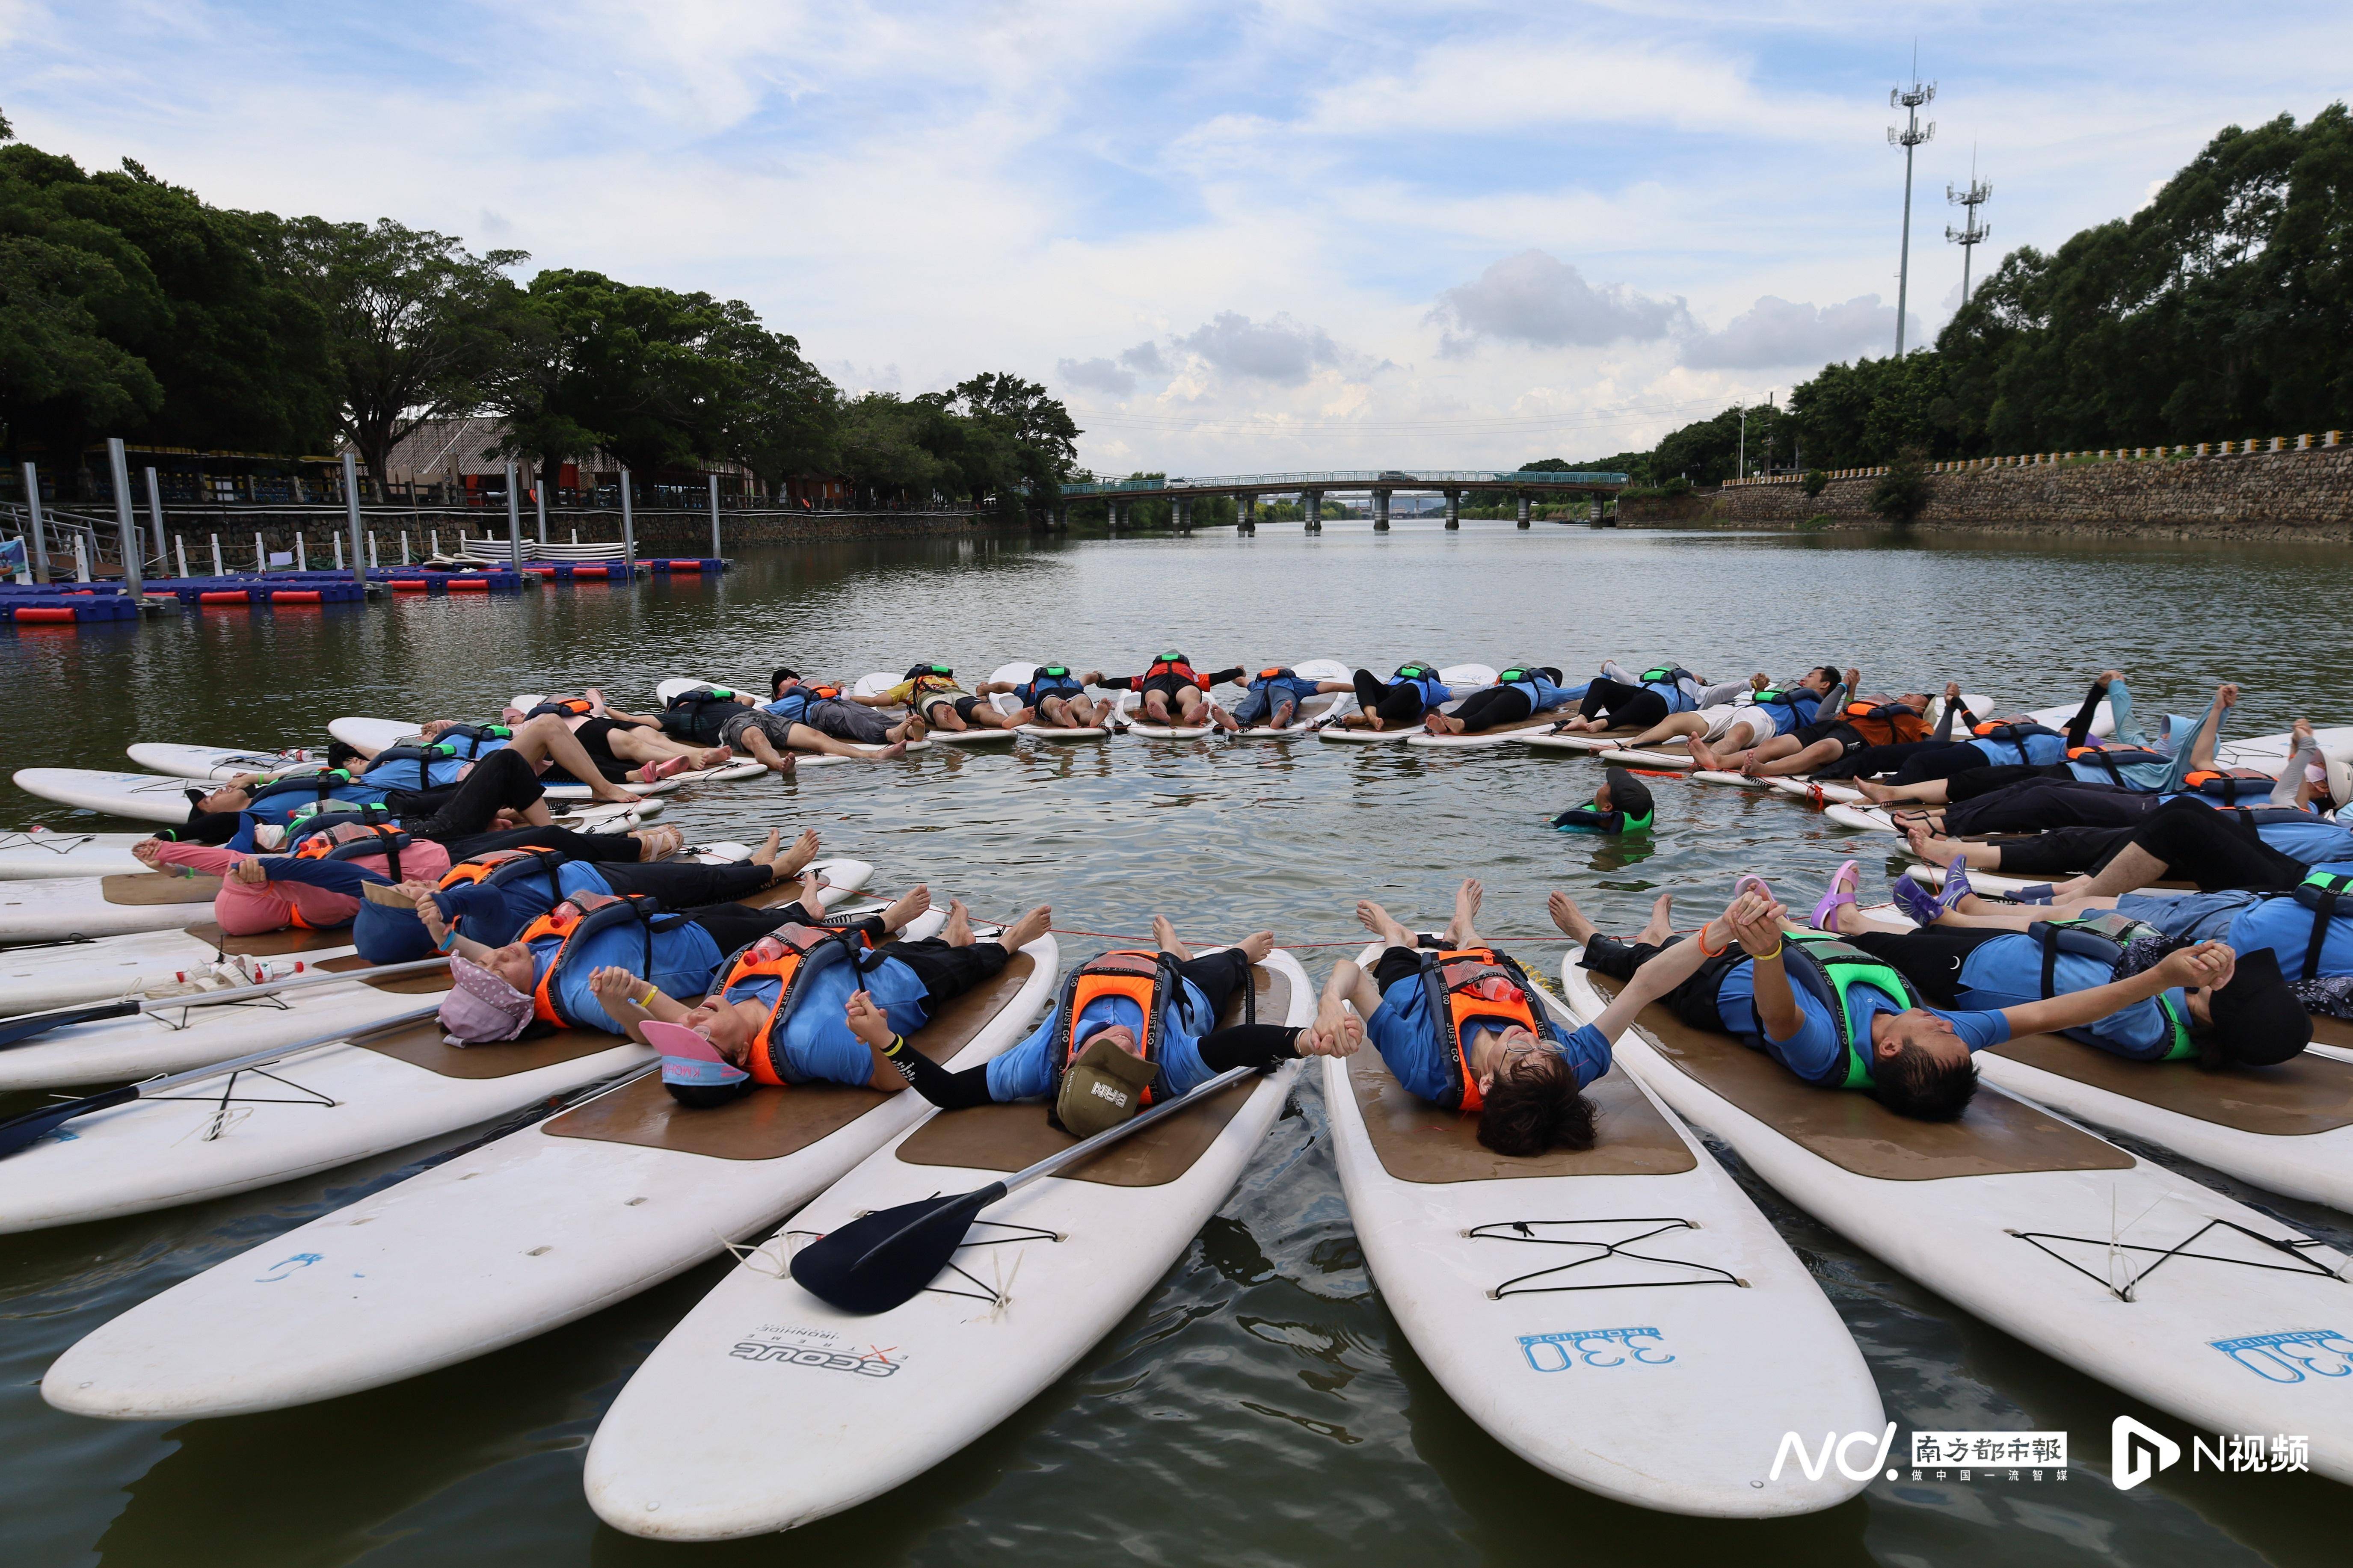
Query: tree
point(883, 451)
point(1009, 439)
point(783, 416)
point(412, 323)
point(1901, 493)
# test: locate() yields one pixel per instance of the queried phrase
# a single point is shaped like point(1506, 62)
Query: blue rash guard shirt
point(686, 963)
point(2007, 972)
point(1415, 1047)
point(2034, 751)
point(818, 1044)
point(1027, 1071)
point(1813, 1052)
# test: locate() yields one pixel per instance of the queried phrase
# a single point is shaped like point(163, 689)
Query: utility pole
point(1740, 464)
point(1971, 232)
point(1910, 135)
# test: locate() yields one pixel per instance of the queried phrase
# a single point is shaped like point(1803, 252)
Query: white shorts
point(1753, 724)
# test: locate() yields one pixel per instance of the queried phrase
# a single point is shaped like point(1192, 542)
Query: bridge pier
point(1118, 518)
point(1313, 502)
point(1453, 510)
point(1183, 509)
point(1243, 522)
point(1380, 511)
point(1523, 511)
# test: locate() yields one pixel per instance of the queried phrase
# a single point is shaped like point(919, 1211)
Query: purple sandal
point(1841, 891)
point(1919, 905)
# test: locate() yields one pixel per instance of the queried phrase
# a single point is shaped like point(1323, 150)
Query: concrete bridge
point(1311, 488)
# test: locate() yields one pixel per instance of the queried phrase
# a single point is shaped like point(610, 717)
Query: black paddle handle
point(22, 1131)
point(33, 1025)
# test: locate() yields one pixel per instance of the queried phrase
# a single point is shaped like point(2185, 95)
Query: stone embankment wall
point(2248, 495)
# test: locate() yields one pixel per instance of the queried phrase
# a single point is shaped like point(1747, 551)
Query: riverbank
point(2305, 495)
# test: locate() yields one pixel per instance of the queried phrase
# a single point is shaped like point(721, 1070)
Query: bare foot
point(1255, 946)
point(914, 901)
point(1876, 792)
point(716, 757)
point(765, 854)
point(1166, 936)
point(1223, 719)
point(1467, 898)
point(1441, 724)
point(783, 765)
point(1701, 754)
point(1662, 924)
point(803, 851)
point(957, 932)
point(811, 901)
point(1935, 850)
point(1570, 919)
point(889, 753)
point(1028, 929)
point(1378, 921)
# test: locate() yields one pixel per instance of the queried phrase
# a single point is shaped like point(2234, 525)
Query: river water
point(1260, 1407)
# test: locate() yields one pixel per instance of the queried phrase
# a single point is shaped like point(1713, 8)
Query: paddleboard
point(2216, 1313)
point(1678, 760)
point(372, 735)
point(1870, 818)
point(1131, 706)
point(143, 797)
point(148, 964)
point(76, 909)
point(214, 764)
point(1006, 703)
point(1608, 739)
point(882, 681)
point(41, 852)
point(1319, 709)
point(1463, 678)
point(801, 758)
point(1527, 729)
point(1820, 792)
point(377, 733)
point(1644, 1376)
point(507, 1241)
point(1737, 781)
point(757, 1369)
point(318, 1109)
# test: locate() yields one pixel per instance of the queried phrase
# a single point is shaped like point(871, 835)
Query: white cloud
point(1532, 297)
point(1280, 351)
point(1776, 332)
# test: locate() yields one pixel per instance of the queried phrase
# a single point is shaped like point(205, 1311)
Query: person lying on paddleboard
point(2188, 837)
point(1740, 714)
point(1274, 695)
point(1129, 1027)
point(1838, 1017)
point(1520, 693)
point(784, 1010)
point(2112, 772)
point(1172, 692)
point(449, 751)
point(1624, 697)
point(1622, 804)
point(1964, 742)
point(1459, 1025)
point(1056, 698)
point(1845, 723)
point(826, 708)
point(545, 979)
point(2246, 1016)
point(625, 748)
point(2307, 929)
point(931, 693)
point(1401, 701)
point(736, 720)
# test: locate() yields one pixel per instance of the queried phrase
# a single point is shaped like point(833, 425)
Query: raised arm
point(1668, 969)
point(632, 1000)
point(2079, 728)
point(2208, 963)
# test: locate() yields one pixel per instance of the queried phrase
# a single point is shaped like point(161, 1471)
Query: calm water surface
point(1261, 1406)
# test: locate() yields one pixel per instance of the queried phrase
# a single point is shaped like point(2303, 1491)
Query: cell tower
point(1971, 232)
point(1910, 134)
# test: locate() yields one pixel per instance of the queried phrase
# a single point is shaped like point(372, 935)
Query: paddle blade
point(23, 1131)
point(25, 1028)
point(875, 1262)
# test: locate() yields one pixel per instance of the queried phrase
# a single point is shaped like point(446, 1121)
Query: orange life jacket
point(570, 921)
point(1884, 724)
point(1476, 985)
point(785, 955)
point(481, 866)
point(1147, 979)
point(1180, 667)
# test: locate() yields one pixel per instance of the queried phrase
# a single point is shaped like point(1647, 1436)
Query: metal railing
point(1348, 478)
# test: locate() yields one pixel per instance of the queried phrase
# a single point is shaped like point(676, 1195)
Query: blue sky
point(1235, 237)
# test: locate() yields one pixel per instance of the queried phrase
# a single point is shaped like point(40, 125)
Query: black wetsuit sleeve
point(948, 1090)
point(1262, 1046)
point(2079, 728)
point(1221, 677)
point(1120, 682)
point(1944, 719)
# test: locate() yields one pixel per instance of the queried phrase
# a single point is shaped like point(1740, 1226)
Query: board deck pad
point(151, 888)
point(1012, 1137)
point(1544, 720)
point(768, 1124)
point(1998, 1136)
point(1420, 1142)
point(271, 943)
point(2303, 1095)
point(2337, 1032)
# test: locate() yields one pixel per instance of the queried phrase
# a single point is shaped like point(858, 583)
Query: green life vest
point(1832, 970)
point(2320, 893)
point(2106, 935)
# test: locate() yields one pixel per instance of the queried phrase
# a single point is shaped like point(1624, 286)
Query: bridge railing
point(1345, 478)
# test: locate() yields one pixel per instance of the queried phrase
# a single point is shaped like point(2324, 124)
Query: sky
point(1234, 239)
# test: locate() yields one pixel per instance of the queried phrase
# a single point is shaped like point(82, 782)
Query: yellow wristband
point(898, 1043)
point(1776, 953)
point(647, 999)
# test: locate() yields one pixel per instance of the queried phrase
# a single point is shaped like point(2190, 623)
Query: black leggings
point(605, 849)
point(2062, 851)
point(680, 884)
point(1984, 777)
point(1695, 1000)
point(1493, 705)
point(501, 781)
point(947, 973)
point(1929, 760)
point(2035, 803)
point(1397, 704)
point(1931, 957)
point(2218, 852)
point(1623, 704)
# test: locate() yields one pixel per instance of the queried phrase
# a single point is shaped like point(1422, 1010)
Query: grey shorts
point(777, 731)
point(849, 721)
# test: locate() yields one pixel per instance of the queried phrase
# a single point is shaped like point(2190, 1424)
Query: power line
point(1908, 136)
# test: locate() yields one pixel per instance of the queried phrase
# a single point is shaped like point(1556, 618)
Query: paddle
point(880, 1259)
point(20, 1132)
point(30, 1026)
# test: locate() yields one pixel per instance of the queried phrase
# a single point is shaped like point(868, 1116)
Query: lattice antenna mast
point(1971, 233)
point(1908, 135)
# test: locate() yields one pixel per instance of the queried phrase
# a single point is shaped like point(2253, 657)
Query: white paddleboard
point(1820, 792)
point(502, 1243)
point(1737, 781)
point(1527, 729)
point(882, 681)
point(1647, 1386)
point(372, 735)
point(2232, 1334)
point(863, 1404)
point(1130, 705)
point(1681, 761)
point(150, 963)
point(319, 1109)
point(2103, 722)
point(72, 908)
point(1465, 678)
point(1006, 703)
point(1870, 818)
point(143, 797)
point(41, 852)
point(1317, 709)
point(214, 764)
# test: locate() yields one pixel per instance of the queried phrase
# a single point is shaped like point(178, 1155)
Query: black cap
point(2258, 1019)
point(1631, 796)
point(781, 676)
